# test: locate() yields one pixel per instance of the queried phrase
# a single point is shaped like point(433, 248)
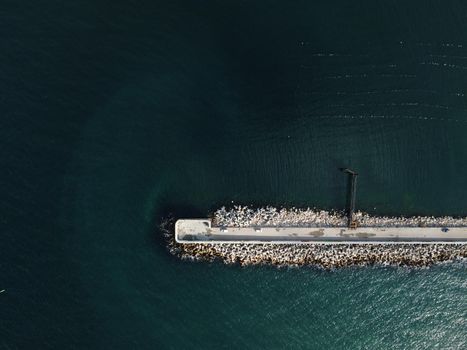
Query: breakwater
point(326, 256)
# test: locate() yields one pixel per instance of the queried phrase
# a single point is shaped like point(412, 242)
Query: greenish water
point(114, 115)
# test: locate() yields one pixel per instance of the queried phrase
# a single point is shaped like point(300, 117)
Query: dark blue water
point(117, 114)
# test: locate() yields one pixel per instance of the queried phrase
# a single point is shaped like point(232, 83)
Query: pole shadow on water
point(350, 193)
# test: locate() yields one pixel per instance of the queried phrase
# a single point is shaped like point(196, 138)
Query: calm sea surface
point(115, 114)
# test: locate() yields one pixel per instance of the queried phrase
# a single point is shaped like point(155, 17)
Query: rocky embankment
point(242, 216)
point(325, 256)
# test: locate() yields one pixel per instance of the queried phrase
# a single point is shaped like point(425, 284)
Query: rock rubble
point(243, 216)
point(324, 256)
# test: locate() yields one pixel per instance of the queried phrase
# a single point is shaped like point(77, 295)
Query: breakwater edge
point(327, 256)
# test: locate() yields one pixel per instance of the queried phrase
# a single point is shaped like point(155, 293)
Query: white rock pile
point(324, 256)
point(242, 216)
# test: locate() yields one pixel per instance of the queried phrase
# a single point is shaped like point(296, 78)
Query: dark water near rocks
point(114, 114)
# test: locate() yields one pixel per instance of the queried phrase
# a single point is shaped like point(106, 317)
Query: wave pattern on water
point(172, 106)
point(390, 117)
point(383, 92)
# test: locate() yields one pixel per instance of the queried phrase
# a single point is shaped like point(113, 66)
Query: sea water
point(117, 115)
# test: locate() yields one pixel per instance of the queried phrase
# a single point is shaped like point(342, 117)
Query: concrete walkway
point(201, 231)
